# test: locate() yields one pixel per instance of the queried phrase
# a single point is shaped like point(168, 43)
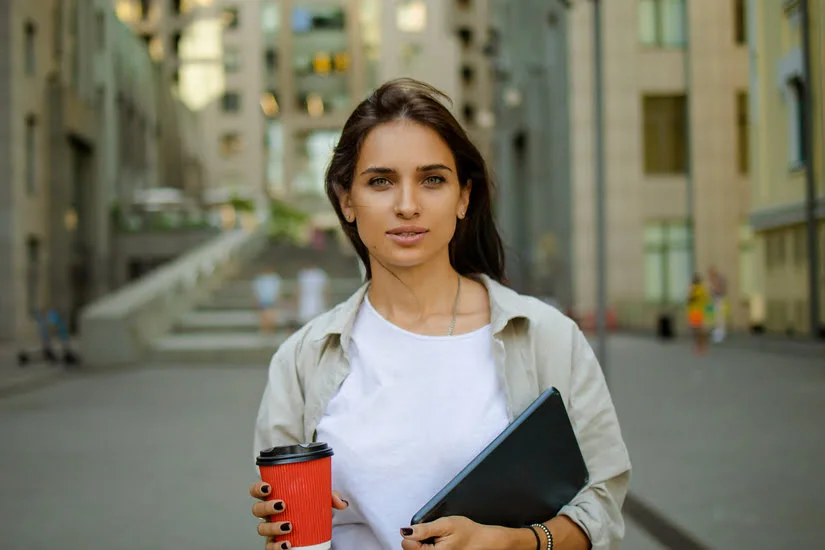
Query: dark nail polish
point(265, 489)
point(285, 545)
point(286, 527)
point(406, 531)
point(345, 501)
point(279, 506)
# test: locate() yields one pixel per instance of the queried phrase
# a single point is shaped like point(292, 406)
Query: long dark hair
point(476, 246)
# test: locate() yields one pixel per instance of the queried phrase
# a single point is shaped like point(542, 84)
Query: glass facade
point(202, 63)
point(667, 261)
point(321, 59)
point(313, 150)
point(662, 23)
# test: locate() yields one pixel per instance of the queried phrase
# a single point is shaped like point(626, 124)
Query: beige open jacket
point(534, 347)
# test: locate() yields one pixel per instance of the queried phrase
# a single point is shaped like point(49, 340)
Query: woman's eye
point(434, 180)
point(379, 182)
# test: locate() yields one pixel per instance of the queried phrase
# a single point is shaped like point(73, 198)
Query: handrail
point(118, 328)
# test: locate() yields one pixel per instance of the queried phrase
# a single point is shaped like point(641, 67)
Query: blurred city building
point(80, 108)
point(675, 130)
point(527, 43)
point(211, 51)
point(778, 80)
point(442, 43)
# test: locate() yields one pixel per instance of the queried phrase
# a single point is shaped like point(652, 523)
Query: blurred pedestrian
point(313, 293)
point(427, 363)
point(698, 303)
point(267, 287)
point(718, 291)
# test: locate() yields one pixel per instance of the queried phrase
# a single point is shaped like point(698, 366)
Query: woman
point(699, 311)
point(419, 370)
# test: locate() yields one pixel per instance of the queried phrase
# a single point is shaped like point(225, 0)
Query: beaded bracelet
point(546, 532)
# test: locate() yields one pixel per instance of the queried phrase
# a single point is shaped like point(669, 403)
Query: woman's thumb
point(338, 501)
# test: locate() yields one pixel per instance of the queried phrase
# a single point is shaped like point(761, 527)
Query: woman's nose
point(406, 201)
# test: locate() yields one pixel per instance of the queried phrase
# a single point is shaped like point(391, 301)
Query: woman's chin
point(404, 259)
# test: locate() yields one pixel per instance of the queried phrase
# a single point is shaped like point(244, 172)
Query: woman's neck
point(414, 292)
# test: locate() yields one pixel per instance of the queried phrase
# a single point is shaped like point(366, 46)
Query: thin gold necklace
point(455, 307)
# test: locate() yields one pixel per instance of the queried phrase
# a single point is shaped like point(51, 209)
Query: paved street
point(727, 446)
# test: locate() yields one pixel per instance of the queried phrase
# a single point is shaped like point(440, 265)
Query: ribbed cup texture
point(306, 489)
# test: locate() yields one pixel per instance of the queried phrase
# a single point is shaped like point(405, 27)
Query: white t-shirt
point(312, 285)
point(412, 413)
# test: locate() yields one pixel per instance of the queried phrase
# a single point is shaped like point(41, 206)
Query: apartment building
point(676, 153)
point(528, 57)
point(48, 145)
point(778, 153)
point(79, 113)
point(212, 52)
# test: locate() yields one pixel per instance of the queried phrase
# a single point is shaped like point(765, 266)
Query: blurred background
point(158, 155)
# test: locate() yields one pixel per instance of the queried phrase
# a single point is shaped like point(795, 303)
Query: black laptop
point(525, 476)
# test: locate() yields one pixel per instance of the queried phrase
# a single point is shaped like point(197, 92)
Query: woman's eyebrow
point(431, 167)
point(378, 170)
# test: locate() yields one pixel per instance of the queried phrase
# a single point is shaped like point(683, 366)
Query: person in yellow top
point(697, 309)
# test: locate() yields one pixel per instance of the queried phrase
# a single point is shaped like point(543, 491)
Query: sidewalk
point(762, 343)
point(15, 378)
point(724, 444)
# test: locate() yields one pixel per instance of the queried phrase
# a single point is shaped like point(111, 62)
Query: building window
point(32, 273)
point(145, 6)
point(100, 25)
point(411, 16)
point(465, 35)
point(229, 16)
point(57, 30)
point(775, 249)
point(155, 46)
point(231, 144)
point(800, 245)
point(231, 102)
point(796, 111)
point(740, 22)
point(469, 113)
point(30, 49)
point(665, 140)
point(270, 18)
point(667, 261)
point(468, 75)
point(231, 60)
point(31, 155)
point(742, 132)
point(747, 283)
point(662, 23)
point(176, 41)
point(271, 59)
point(269, 104)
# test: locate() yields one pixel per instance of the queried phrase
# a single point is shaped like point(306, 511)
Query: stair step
point(228, 320)
point(216, 348)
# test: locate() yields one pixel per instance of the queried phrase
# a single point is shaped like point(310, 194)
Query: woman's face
point(405, 196)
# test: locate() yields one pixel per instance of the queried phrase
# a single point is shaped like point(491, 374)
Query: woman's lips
point(407, 236)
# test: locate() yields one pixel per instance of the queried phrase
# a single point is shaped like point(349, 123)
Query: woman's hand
point(269, 509)
point(461, 533)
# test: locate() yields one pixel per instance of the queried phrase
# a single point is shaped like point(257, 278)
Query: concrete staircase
point(223, 330)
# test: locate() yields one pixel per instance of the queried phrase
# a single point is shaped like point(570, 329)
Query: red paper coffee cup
point(301, 476)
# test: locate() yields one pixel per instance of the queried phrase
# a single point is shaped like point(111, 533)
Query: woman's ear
point(464, 200)
point(345, 201)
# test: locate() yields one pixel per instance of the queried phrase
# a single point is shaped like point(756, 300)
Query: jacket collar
point(504, 307)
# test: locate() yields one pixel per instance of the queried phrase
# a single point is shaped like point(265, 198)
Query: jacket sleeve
point(281, 412)
point(597, 509)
